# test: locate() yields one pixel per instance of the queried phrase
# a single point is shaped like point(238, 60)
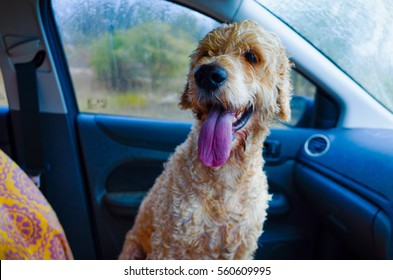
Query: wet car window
point(129, 57)
point(356, 35)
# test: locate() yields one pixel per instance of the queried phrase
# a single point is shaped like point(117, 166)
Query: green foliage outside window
point(150, 56)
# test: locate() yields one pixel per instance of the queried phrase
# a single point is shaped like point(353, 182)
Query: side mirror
point(302, 108)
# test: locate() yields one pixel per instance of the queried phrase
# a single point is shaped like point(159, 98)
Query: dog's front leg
point(132, 250)
point(137, 242)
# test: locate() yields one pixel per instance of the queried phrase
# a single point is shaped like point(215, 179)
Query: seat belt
point(32, 162)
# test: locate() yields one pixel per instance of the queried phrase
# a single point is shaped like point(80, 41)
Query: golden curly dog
point(210, 202)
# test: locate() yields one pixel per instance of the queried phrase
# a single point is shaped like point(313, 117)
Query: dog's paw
point(132, 251)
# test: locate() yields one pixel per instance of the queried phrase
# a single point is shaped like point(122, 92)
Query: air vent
point(317, 145)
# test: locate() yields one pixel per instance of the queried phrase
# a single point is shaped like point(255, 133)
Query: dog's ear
point(185, 102)
point(284, 87)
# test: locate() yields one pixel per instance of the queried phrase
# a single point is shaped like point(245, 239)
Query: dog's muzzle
point(210, 77)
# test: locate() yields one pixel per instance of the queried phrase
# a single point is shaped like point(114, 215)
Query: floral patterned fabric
point(29, 228)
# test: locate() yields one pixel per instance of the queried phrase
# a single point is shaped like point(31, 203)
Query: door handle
point(124, 204)
point(271, 150)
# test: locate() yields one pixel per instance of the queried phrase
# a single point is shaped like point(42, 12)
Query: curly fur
point(199, 212)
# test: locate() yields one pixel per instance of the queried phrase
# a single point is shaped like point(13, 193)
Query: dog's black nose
point(210, 77)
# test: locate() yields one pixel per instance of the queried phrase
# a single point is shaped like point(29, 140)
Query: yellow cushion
point(29, 228)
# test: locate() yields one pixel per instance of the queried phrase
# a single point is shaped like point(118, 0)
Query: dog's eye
point(205, 54)
point(250, 57)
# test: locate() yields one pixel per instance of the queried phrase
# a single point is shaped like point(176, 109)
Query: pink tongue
point(215, 138)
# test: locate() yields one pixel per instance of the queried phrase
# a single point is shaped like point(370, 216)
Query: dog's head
point(238, 83)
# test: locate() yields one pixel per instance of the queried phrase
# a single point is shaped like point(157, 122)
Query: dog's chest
point(216, 225)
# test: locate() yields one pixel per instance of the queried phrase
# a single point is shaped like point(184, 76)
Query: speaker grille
point(317, 145)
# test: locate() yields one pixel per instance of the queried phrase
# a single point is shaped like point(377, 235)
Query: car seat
point(29, 228)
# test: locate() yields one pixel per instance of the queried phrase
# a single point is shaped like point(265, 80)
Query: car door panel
point(292, 234)
point(351, 216)
point(351, 190)
point(122, 157)
point(370, 149)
